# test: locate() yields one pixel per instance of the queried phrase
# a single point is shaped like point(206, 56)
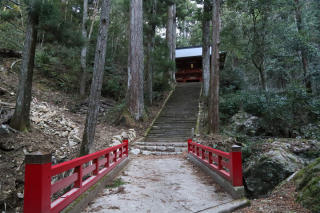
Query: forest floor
point(57, 125)
point(282, 199)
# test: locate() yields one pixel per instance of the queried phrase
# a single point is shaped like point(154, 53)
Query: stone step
point(145, 152)
point(167, 138)
point(167, 130)
point(161, 144)
point(173, 137)
point(163, 140)
point(170, 134)
point(172, 128)
point(162, 148)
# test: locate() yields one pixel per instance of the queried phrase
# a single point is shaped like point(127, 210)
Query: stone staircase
point(170, 131)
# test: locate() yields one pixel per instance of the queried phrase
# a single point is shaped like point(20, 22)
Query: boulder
point(117, 139)
point(124, 135)
point(282, 159)
point(135, 151)
point(4, 130)
point(308, 186)
point(245, 123)
point(115, 143)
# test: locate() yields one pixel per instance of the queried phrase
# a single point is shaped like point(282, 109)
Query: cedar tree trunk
point(97, 78)
point(135, 61)
point(215, 72)
point(83, 58)
point(21, 117)
point(206, 47)
point(150, 50)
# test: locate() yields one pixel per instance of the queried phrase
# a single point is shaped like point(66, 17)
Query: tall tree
point(215, 70)
point(303, 53)
point(206, 20)
point(174, 41)
point(259, 17)
point(83, 58)
point(96, 84)
point(136, 61)
point(21, 117)
point(171, 37)
point(150, 49)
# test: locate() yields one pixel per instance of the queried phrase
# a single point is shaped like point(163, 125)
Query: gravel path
point(159, 185)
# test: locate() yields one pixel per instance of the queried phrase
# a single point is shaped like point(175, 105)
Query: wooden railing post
point(96, 170)
point(107, 156)
point(220, 163)
point(210, 158)
point(115, 156)
point(126, 147)
point(37, 185)
point(79, 170)
point(236, 166)
point(189, 145)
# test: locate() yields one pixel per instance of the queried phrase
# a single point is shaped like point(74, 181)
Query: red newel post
point(189, 144)
point(126, 147)
point(37, 184)
point(236, 166)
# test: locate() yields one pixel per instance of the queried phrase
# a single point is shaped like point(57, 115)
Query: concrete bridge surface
point(160, 184)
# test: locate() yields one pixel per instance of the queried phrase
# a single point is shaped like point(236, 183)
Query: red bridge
point(55, 188)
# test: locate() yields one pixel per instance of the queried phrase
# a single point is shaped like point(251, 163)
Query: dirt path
point(160, 184)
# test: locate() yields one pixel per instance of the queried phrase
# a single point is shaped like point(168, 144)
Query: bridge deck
point(161, 184)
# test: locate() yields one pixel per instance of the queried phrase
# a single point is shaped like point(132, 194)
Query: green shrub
point(229, 105)
point(281, 113)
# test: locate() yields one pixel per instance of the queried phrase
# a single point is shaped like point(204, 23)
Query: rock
point(73, 143)
point(4, 130)
point(132, 132)
point(268, 170)
point(245, 123)
point(135, 151)
point(146, 152)
point(308, 186)
point(7, 186)
point(52, 121)
point(64, 134)
point(20, 195)
point(117, 139)
point(115, 143)
point(124, 135)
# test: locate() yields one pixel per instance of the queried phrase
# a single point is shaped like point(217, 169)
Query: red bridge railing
point(228, 165)
point(41, 194)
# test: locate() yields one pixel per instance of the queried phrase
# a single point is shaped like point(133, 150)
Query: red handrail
point(228, 165)
point(40, 192)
